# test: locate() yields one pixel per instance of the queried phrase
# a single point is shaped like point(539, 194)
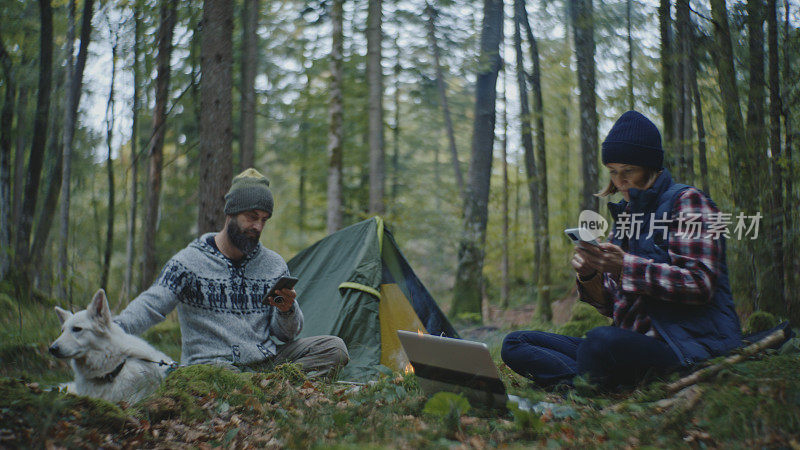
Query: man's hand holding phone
point(282, 295)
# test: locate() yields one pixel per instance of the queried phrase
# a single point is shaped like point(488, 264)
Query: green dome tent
point(356, 284)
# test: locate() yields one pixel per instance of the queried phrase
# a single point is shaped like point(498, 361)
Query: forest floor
point(754, 403)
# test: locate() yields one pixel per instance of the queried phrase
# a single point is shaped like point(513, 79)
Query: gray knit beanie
point(249, 190)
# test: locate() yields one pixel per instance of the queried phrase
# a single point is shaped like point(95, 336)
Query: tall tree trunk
point(130, 241)
point(698, 114)
point(504, 261)
point(398, 69)
point(566, 160)
point(667, 63)
point(216, 127)
point(74, 89)
point(531, 167)
point(249, 69)
point(770, 274)
point(155, 147)
point(631, 100)
point(335, 120)
point(738, 167)
point(19, 157)
point(469, 273)
point(790, 214)
point(583, 29)
point(777, 204)
point(44, 218)
point(39, 137)
point(377, 169)
point(542, 231)
point(302, 178)
point(683, 90)
point(6, 121)
point(525, 124)
point(110, 169)
point(441, 88)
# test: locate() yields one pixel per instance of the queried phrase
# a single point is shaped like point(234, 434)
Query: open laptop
point(456, 365)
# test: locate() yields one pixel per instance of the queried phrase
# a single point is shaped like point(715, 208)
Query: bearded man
point(219, 284)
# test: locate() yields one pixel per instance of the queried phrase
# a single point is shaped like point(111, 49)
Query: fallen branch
point(688, 396)
point(707, 372)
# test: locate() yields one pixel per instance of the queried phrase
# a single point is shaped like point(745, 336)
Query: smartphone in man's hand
point(581, 235)
point(282, 283)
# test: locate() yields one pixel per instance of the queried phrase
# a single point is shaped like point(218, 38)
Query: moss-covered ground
point(752, 404)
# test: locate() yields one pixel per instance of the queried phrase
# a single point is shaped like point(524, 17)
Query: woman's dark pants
point(611, 356)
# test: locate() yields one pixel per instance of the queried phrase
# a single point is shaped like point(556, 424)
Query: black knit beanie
point(634, 140)
point(249, 190)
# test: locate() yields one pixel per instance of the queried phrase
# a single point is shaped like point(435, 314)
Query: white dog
point(108, 363)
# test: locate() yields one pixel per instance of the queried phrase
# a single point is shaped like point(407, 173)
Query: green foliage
point(444, 404)
point(447, 407)
point(528, 422)
point(291, 371)
point(468, 318)
point(190, 393)
point(32, 361)
point(759, 321)
point(31, 414)
point(166, 336)
point(584, 318)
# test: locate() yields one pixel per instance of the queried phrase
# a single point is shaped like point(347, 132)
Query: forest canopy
point(474, 129)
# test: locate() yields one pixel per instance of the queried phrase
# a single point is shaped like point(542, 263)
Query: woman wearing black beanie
point(663, 282)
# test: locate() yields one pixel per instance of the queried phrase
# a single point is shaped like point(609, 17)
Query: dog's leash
point(171, 365)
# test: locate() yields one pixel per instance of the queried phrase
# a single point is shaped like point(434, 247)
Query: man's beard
point(240, 239)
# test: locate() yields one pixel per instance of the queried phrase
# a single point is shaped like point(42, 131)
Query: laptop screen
point(454, 365)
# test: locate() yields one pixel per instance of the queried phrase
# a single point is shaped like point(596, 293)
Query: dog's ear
point(63, 315)
point(98, 309)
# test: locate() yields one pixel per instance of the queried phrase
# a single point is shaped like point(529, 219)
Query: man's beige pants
point(317, 355)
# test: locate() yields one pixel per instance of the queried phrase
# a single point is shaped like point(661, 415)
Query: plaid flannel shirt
point(695, 251)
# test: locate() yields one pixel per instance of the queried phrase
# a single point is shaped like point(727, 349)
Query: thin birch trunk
point(19, 158)
point(335, 120)
point(74, 89)
point(6, 121)
point(776, 200)
point(631, 99)
point(396, 126)
point(790, 214)
point(441, 88)
point(249, 65)
point(504, 262)
point(155, 146)
point(377, 169)
point(698, 115)
point(39, 141)
point(667, 94)
point(130, 241)
point(542, 232)
point(583, 29)
point(110, 170)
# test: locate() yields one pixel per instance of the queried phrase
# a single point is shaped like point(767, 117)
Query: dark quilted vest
point(695, 333)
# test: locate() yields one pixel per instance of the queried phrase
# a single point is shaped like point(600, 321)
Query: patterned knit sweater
point(219, 305)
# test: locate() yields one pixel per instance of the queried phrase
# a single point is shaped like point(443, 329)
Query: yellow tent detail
point(395, 313)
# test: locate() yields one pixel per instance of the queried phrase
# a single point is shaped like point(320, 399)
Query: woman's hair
point(610, 189)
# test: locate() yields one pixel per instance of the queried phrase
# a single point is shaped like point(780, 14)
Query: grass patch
point(34, 362)
point(755, 403)
point(32, 416)
point(584, 317)
point(165, 336)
